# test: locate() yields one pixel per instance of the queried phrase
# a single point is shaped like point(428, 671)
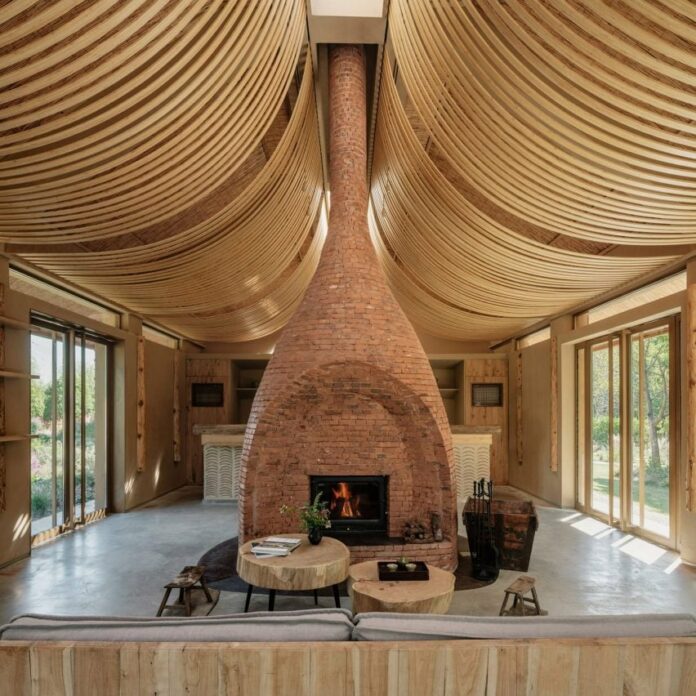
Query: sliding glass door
point(626, 428)
point(604, 448)
point(47, 421)
point(651, 429)
point(90, 428)
point(70, 423)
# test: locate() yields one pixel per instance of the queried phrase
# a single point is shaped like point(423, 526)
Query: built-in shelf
point(449, 391)
point(246, 378)
point(16, 374)
point(16, 438)
point(15, 323)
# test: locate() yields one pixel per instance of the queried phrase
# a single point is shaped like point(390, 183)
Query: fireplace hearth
point(357, 504)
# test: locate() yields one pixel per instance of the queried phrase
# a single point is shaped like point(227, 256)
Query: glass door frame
point(56, 337)
point(79, 341)
point(583, 499)
point(74, 338)
point(672, 324)
point(609, 339)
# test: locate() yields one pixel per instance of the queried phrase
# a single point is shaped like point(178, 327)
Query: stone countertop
point(240, 428)
point(232, 429)
point(475, 429)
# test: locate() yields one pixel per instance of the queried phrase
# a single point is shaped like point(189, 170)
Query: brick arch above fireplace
point(346, 418)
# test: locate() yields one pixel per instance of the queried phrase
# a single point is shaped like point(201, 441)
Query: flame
point(343, 499)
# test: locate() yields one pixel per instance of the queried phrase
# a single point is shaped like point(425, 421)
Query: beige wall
point(434, 345)
point(533, 475)
point(161, 473)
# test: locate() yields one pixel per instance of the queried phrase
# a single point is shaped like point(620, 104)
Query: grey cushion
point(263, 626)
point(381, 626)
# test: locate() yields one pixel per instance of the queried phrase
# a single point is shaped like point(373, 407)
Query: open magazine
point(275, 546)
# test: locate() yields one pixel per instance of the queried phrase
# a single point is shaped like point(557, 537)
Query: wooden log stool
point(188, 579)
point(523, 585)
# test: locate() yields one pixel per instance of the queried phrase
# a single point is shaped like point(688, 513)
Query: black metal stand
point(272, 594)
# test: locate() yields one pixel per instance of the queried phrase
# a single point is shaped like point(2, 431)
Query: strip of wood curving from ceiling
point(574, 115)
point(116, 117)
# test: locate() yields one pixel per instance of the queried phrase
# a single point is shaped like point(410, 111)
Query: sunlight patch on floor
point(643, 550)
point(672, 566)
point(590, 526)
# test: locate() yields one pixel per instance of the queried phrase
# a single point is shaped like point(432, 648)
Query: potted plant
point(314, 518)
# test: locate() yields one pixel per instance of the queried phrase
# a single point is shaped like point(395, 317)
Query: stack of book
point(274, 546)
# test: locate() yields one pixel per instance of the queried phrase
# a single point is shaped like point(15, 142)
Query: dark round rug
point(221, 562)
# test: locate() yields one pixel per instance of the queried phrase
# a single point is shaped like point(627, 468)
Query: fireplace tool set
point(485, 558)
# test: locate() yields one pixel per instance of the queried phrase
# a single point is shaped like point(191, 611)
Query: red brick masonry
point(349, 389)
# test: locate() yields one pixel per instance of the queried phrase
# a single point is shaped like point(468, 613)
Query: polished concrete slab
point(118, 566)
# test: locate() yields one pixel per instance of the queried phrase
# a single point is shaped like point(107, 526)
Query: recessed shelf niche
point(246, 377)
point(449, 375)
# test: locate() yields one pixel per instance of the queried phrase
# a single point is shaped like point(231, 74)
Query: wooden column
point(691, 398)
point(518, 425)
point(3, 470)
point(140, 450)
point(553, 455)
point(176, 409)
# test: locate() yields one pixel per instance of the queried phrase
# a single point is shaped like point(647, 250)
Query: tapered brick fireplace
point(349, 391)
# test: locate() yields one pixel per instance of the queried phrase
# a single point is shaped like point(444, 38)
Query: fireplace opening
point(356, 503)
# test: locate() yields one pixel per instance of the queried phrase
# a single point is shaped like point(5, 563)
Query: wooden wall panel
point(3, 464)
point(690, 329)
point(566, 667)
point(203, 370)
point(489, 371)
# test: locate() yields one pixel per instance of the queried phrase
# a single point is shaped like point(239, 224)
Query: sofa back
point(319, 625)
point(281, 626)
point(387, 626)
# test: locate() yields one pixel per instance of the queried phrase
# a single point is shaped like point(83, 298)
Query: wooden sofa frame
point(542, 667)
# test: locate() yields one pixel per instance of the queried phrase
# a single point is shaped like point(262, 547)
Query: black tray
point(420, 573)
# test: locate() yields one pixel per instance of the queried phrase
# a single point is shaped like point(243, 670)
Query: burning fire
point(344, 502)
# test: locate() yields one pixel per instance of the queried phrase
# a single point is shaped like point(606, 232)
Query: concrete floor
point(118, 566)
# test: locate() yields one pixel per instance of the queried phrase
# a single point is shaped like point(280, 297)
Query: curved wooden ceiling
point(527, 157)
point(532, 148)
point(144, 159)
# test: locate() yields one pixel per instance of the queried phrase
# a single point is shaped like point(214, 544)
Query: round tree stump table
point(369, 593)
point(308, 567)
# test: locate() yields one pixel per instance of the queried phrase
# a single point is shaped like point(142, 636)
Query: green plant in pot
point(314, 518)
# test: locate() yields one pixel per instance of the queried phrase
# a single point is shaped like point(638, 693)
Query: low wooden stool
point(188, 579)
point(518, 590)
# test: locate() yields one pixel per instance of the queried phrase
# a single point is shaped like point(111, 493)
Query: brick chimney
point(349, 389)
